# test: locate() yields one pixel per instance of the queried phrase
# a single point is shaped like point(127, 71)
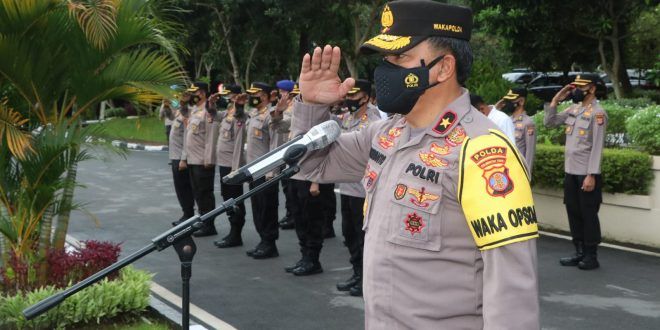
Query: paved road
point(134, 201)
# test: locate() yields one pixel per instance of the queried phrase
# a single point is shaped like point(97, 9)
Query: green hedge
point(644, 129)
point(624, 171)
point(128, 293)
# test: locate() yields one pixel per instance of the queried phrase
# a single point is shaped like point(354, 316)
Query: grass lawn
point(147, 130)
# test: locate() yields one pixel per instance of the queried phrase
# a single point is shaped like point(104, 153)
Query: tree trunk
point(208, 66)
point(351, 65)
point(230, 50)
point(249, 61)
point(609, 69)
point(67, 200)
point(45, 234)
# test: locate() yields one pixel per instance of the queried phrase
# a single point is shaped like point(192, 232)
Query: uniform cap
point(361, 85)
point(230, 89)
point(407, 23)
point(583, 79)
point(515, 93)
point(286, 85)
point(295, 90)
point(257, 87)
point(197, 86)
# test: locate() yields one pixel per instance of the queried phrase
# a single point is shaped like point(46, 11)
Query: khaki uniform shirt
point(177, 134)
point(230, 152)
point(448, 244)
point(349, 123)
point(585, 136)
point(262, 134)
point(201, 137)
point(525, 134)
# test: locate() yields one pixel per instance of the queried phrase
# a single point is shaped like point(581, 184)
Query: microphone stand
point(178, 236)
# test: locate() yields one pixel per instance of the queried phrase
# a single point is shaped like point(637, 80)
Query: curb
point(138, 146)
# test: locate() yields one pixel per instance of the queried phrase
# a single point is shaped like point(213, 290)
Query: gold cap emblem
point(386, 19)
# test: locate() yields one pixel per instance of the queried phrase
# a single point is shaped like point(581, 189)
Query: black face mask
point(578, 95)
point(398, 88)
point(254, 100)
point(194, 100)
point(353, 105)
point(222, 103)
point(509, 107)
point(240, 110)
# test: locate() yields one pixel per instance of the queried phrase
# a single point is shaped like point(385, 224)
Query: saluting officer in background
point(283, 108)
point(444, 248)
point(230, 156)
point(261, 138)
point(199, 152)
point(180, 176)
point(585, 137)
point(524, 127)
point(360, 113)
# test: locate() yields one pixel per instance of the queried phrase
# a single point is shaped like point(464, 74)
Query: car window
point(540, 81)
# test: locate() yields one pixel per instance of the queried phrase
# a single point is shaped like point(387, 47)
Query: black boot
point(251, 252)
point(356, 290)
point(309, 266)
point(590, 260)
point(231, 240)
point(208, 230)
point(576, 258)
point(351, 282)
point(267, 250)
point(287, 223)
point(291, 268)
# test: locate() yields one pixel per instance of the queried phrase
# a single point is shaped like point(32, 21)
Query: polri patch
point(377, 156)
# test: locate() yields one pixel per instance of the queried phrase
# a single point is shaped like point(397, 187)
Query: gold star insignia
point(445, 122)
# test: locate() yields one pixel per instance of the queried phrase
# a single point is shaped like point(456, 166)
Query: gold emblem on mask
point(412, 80)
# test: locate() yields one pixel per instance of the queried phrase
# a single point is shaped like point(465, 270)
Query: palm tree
point(64, 57)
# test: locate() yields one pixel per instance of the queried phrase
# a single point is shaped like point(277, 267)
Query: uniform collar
point(443, 124)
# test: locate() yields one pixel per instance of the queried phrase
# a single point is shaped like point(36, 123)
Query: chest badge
point(456, 137)
point(400, 191)
point(420, 197)
point(387, 141)
point(414, 223)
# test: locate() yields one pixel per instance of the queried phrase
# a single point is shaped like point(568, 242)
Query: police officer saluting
point(524, 127)
point(199, 152)
point(261, 138)
point(230, 156)
point(180, 176)
point(450, 224)
point(585, 137)
point(360, 113)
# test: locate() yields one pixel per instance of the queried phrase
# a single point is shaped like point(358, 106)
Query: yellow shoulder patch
point(494, 192)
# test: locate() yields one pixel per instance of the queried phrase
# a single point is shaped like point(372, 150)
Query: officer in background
point(261, 138)
point(181, 176)
point(166, 113)
point(230, 156)
point(360, 113)
point(199, 152)
point(450, 224)
point(283, 108)
point(501, 119)
point(525, 129)
point(585, 137)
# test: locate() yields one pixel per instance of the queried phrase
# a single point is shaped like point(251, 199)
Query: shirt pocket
point(415, 218)
point(371, 176)
point(583, 123)
point(197, 126)
point(226, 131)
point(570, 120)
point(258, 130)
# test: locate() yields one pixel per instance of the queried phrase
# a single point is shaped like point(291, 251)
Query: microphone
point(319, 136)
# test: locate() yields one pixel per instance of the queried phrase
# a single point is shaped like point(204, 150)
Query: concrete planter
point(623, 218)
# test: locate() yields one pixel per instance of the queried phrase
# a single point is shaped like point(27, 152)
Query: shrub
point(19, 274)
point(108, 298)
point(624, 171)
point(549, 135)
point(644, 129)
point(116, 112)
point(533, 104)
point(652, 94)
point(638, 101)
